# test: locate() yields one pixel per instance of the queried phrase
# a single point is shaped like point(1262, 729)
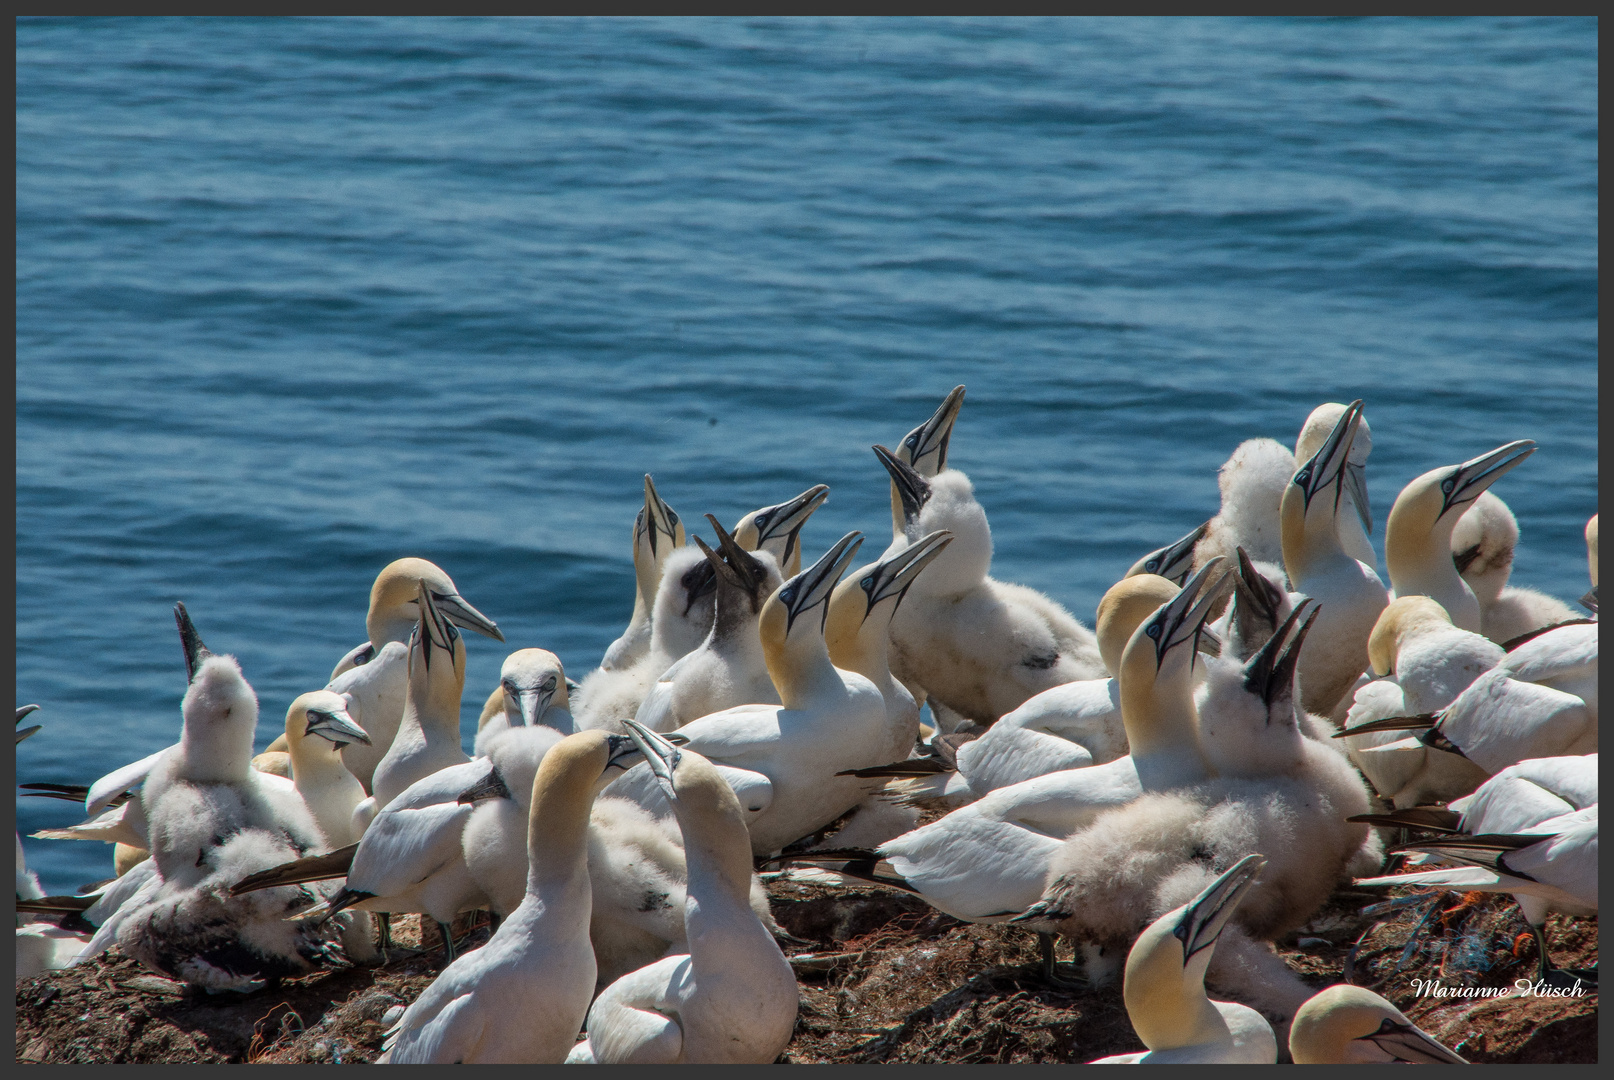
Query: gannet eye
point(1447, 484)
point(364, 656)
point(787, 595)
point(1303, 477)
point(868, 583)
point(1152, 565)
point(1153, 630)
point(549, 683)
point(510, 688)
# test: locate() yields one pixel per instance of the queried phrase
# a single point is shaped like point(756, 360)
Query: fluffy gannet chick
point(1067, 727)
point(532, 691)
point(1174, 562)
point(1531, 830)
point(1417, 537)
point(1423, 663)
point(728, 668)
point(1348, 1025)
point(211, 820)
point(1540, 700)
point(1252, 483)
point(1482, 546)
point(1165, 985)
point(787, 756)
point(988, 861)
point(1353, 532)
point(1348, 591)
point(657, 531)
point(680, 621)
point(428, 736)
point(317, 728)
point(732, 998)
point(521, 998)
point(777, 529)
point(976, 645)
point(375, 676)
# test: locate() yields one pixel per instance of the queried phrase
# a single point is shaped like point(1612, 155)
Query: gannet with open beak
point(375, 676)
point(1482, 546)
point(428, 736)
point(975, 645)
point(317, 728)
point(1418, 535)
point(1353, 530)
point(788, 755)
point(657, 531)
point(732, 998)
point(1530, 830)
point(1165, 985)
point(532, 690)
point(777, 529)
point(1348, 591)
point(521, 998)
point(1350, 1025)
point(728, 668)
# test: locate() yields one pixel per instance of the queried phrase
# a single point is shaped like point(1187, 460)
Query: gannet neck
point(1123, 609)
point(1591, 548)
point(1310, 540)
point(221, 713)
point(717, 847)
point(744, 580)
point(968, 559)
point(1403, 618)
point(1482, 546)
point(557, 824)
point(857, 636)
point(797, 658)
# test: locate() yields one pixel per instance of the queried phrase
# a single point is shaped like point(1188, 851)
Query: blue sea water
point(298, 297)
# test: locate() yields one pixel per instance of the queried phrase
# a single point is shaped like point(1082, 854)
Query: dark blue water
point(296, 298)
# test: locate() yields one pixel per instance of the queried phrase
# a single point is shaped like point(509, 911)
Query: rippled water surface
point(296, 298)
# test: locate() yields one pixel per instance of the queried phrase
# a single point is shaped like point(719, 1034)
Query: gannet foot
point(1060, 976)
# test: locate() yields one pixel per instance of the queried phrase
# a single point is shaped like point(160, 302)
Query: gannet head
point(867, 590)
point(1174, 562)
point(786, 610)
point(1347, 1023)
point(1427, 504)
point(1123, 609)
point(533, 681)
point(1164, 986)
point(1258, 605)
point(682, 616)
point(1270, 673)
point(436, 651)
point(657, 530)
point(777, 529)
point(1311, 501)
point(946, 501)
point(322, 713)
point(396, 592)
point(190, 641)
point(1403, 618)
point(1155, 648)
point(749, 577)
point(925, 449)
point(1315, 431)
point(221, 713)
point(1482, 546)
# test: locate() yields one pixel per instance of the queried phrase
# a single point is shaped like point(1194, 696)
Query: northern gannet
point(1353, 532)
point(1350, 1025)
point(1174, 562)
point(732, 998)
point(1418, 535)
point(532, 690)
point(521, 998)
point(374, 676)
point(1348, 591)
point(727, 669)
point(788, 755)
point(317, 728)
point(428, 736)
point(1530, 830)
point(777, 529)
point(1482, 546)
point(656, 532)
point(1165, 985)
point(973, 644)
point(635, 860)
point(1423, 663)
point(1252, 482)
point(925, 450)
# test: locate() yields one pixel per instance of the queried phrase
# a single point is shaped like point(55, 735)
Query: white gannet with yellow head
point(1482, 546)
point(375, 676)
point(1348, 590)
point(727, 669)
point(1353, 531)
point(1417, 538)
point(317, 728)
point(657, 532)
point(1351, 1025)
point(964, 640)
point(1174, 562)
point(1165, 985)
point(533, 690)
point(521, 998)
point(732, 998)
point(777, 529)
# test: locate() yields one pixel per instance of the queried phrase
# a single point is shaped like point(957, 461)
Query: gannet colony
point(1256, 719)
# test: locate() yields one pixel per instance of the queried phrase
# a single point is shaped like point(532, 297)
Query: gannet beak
point(736, 562)
point(1182, 619)
point(621, 753)
point(335, 726)
point(912, 489)
point(1468, 480)
point(22, 711)
point(892, 576)
point(661, 755)
point(1254, 590)
point(813, 585)
point(930, 439)
point(190, 641)
point(491, 786)
point(657, 519)
point(1406, 1043)
point(1332, 457)
point(1356, 481)
point(1174, 561)
point(454, 608)
point(1589, 601)
point(1464, 559)
point(1201, 924)
point(786, 519)
point(1270, 673)
point(534, 701)
point(434, 629)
